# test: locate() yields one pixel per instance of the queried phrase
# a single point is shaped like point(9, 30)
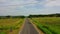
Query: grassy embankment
point(10, 25)
point(49, 25)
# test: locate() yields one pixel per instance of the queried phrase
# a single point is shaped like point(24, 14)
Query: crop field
point(49, 25)
point(10, 25)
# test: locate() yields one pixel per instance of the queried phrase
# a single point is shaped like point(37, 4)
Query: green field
point(10, 25)
point(49, 25)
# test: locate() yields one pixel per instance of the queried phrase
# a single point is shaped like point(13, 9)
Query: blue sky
point(26, 7)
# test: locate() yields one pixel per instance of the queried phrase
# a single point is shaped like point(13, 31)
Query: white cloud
point(9, 5)
point(20, 6)
point(17, 2)
point(52, 3)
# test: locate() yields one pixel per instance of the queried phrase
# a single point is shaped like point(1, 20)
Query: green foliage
point(49, 25)
point(3, 33)
point(43, 15)
point(45, 30)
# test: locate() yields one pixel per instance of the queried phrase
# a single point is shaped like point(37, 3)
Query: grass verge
point(45, 29)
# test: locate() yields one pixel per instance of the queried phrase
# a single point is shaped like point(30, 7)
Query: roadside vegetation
point(9, 25)
point(47, 23)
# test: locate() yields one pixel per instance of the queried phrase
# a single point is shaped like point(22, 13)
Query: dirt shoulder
point(39, 31)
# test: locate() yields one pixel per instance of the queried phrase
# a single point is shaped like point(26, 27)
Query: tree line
point(48, 15)
point(11, 17)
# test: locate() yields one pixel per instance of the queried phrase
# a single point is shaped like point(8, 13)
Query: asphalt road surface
point(28, 28)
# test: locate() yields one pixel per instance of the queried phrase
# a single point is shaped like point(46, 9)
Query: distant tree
point(8, 16)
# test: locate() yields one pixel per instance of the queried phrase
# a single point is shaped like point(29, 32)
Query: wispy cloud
point(52, 3)
point(26, 7)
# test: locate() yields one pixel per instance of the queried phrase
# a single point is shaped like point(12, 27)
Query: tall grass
point(48, 24)
point(9, 25)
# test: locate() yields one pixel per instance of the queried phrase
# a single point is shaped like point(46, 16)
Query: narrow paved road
point(28, 28)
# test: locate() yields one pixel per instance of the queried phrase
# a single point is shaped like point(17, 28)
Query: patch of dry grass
point(10, 26)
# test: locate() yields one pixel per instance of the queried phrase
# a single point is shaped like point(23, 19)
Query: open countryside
point(10, 25)
point(33, 24)
point(29, 16)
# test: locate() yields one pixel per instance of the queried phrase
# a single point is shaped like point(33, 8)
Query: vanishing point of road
point(28, 28)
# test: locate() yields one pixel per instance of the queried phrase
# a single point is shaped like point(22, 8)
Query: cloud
point(7, 5)
point(25, 7)
point(52, 3)
point(17, 2)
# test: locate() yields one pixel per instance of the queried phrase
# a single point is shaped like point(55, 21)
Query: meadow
point(10, 25)
point(49, 25)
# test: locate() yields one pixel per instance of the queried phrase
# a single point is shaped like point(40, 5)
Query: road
point(28, 28)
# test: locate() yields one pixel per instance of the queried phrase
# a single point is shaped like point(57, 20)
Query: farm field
point(10, 25)
point(49, 25)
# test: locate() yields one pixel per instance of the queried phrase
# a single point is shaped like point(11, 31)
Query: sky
point(27, 7)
